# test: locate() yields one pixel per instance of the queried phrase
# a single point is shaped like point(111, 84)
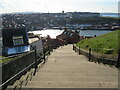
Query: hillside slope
point(105, 41)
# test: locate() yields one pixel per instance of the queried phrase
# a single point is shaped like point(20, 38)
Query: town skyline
point(55, 6)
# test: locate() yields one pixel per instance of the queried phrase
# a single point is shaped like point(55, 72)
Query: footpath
point(66, 69)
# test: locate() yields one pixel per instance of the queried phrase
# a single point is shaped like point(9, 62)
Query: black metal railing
point(32, 62)
point(48, 49)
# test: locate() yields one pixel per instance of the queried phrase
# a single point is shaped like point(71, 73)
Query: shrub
point(107, 51)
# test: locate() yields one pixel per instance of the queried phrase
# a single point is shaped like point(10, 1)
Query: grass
point(105, 41)
point(5, 60)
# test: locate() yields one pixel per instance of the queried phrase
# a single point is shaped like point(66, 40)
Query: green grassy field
point(105, 41)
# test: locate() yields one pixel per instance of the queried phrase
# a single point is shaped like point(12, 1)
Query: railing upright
point(79, 50)
point(44, 54)
point(118, 61)
point(49, 50)
point(73, 47)
point(35, 60)
point(89, 54)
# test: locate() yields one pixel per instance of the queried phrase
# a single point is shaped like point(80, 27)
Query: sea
point(110, 15)
point(53, 33)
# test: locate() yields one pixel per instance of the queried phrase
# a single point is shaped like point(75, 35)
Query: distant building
point(35, 40)
point(69, 37)
point(81, 26)
point(14, 41)
point(82, 14)
point(115, 27)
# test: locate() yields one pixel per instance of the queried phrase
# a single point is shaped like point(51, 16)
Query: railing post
point(89, 54)
point(79, 50)
point(49, 50)
point(73, 47)
point(118, 61)
point(35, 60)
point(44, 54)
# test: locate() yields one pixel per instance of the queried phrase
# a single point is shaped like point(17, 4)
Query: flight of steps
point(66, 69)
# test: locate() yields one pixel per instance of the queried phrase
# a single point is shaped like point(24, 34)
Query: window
point(18, 40)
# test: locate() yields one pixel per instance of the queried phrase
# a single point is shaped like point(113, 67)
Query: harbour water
point(93, 32)
point(109, 15)
point(53, 33)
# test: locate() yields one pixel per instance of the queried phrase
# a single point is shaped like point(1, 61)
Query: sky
point(52, 6)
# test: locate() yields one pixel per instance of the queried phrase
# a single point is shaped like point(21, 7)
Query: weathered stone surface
point(66, 69)
point(24, 79)
point(16, 65)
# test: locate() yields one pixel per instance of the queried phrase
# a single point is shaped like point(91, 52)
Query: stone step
point(40, 84)
point(43, 73)
point(66, 69)
point(71, 70)
point(75, 78)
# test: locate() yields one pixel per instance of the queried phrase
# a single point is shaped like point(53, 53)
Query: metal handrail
point(6, 83)
point(3, 85)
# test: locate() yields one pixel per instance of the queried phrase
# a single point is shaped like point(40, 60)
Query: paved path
point(66, 69)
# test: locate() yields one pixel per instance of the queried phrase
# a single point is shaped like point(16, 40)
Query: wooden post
point(35, 55)
point(49, 50)
point(118, 61)
point(44, 54)
point(73, 47)
point(79, 50)
point(89, 54)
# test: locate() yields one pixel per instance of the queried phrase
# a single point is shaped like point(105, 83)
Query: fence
point(97, 57)
point(47, 49)
point(17, 67)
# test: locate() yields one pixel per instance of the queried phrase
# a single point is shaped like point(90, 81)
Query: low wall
point(16, 65)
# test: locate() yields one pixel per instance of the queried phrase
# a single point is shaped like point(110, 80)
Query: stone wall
point(16, 65)
point(23, 81)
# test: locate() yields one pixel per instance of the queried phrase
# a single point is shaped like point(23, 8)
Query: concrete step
point(40, 84)
point(76, 74)
point(66, 69)
point(75, 78)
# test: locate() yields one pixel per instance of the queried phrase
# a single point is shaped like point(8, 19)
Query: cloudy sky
point(7, 6)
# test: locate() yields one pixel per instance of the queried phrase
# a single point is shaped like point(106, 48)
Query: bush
point(107, 51)
point(86, 46)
